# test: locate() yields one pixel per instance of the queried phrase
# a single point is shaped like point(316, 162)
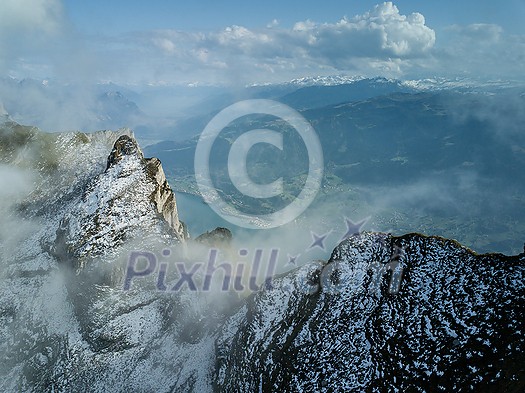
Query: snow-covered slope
point(117, 205)
point(385, 313)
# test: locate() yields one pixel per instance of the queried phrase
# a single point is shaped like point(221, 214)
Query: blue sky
point(239, 42)
point(119, 16)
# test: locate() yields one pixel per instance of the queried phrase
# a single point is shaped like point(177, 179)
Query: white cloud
point(273, 23)
point(43, 16)
point(480, 32)
point(480, 50)
point(382, 33)
point(380, 41)
point(165, 44)
point(27, 26)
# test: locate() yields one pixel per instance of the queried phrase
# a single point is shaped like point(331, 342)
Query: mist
point(15, 185)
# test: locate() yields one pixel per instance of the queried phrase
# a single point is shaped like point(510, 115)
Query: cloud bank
point(28, 28)
point(382, 41)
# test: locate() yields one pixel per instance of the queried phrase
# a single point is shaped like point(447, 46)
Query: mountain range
point(439, 161)
point(383, 312)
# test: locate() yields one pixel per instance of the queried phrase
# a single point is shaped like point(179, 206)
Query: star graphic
point(353, 228)
point(292, 260)
point(318, 241)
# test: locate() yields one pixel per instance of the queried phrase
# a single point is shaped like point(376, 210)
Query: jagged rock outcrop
point(453, 321)
point(163, 197)
point(217, 237)
point(124, 146)
point(130, 200)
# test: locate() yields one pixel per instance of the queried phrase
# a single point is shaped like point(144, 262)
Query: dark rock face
point(124, 146)
point(215, 238)
point(408, 313)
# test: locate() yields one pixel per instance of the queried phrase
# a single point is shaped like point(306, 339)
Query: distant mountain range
point(179, 112)
point(435, 155)
point(437, 159)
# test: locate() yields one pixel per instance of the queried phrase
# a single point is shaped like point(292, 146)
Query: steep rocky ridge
point(131, 198)
point(450, 320)
point(64, 320)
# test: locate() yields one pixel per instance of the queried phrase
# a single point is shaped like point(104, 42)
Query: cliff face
point(410, 313)
point(163, 197)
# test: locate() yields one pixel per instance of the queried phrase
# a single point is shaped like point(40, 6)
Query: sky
point(241, 42)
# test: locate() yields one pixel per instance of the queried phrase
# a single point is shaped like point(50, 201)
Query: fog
point(15, 185)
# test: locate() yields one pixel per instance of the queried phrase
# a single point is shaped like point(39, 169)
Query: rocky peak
point(216, 238)
point(385, 313)
point(124, 146)
point(129, 199)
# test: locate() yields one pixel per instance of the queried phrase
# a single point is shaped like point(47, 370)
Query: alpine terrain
point(383, 313)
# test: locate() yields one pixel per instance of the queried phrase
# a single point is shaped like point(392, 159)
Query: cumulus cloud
point(381, 33)
point(379, 41)
point(382, 41)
